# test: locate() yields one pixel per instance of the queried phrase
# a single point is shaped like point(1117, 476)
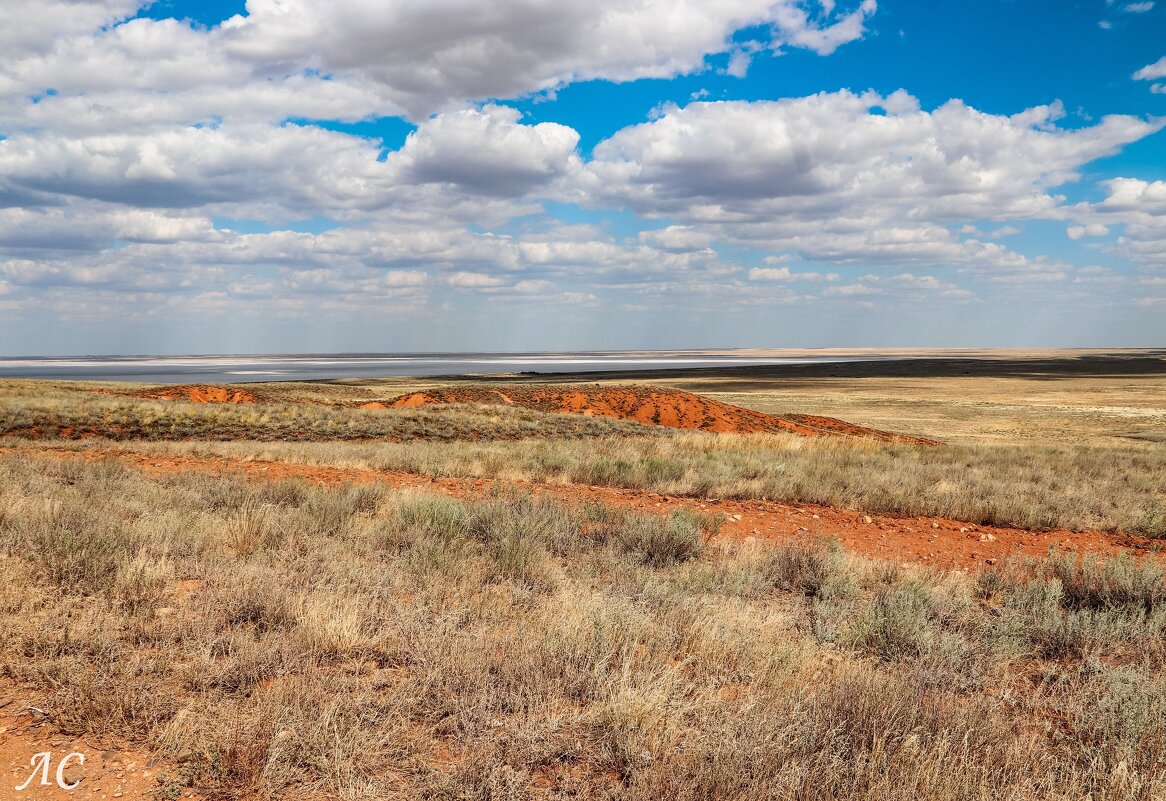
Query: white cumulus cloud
point(440, 52)
point(827, 177)
point(487, 152)
point(1152, 72)
point(1093, 229)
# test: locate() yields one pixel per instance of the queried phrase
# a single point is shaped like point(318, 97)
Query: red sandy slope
point(664, 407)
point(200, 394)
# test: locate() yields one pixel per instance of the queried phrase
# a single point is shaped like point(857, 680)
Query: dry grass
point(64, 413)
point(355, 643)
point(1084, 487)
point(1101, 483)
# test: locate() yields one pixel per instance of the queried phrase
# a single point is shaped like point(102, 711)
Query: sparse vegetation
point(1030, 485)
point(354, 642)
point(1083, 487)
point(71, 415)
point(279, 639)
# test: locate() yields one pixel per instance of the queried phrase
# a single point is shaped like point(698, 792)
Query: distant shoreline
point(586, 365)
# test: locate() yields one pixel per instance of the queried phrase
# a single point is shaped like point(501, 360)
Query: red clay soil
point(662, 407)
point(108, 770)
point(935, 541)
point(199, 393)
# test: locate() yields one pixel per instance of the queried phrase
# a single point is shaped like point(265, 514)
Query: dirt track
point(933, 541)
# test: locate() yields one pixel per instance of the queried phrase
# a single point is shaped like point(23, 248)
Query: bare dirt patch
point(103, 770)
point(662, 407)
point(200, 393)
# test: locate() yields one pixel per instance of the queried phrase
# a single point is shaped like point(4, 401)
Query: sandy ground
point(97, 770)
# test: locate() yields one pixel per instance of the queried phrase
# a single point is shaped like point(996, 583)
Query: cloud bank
point(154, 168)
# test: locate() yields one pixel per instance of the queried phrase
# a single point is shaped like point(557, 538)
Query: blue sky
point(370, 175)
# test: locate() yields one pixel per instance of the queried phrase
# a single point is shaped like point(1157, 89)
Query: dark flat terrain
point(1059, 365)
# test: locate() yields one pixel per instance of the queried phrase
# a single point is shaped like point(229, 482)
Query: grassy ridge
point(351, 642)
point(74, 415)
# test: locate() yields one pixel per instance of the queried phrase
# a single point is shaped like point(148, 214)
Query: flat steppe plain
point(296, 597)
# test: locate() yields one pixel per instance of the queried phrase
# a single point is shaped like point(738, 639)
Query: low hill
point(662, 407)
